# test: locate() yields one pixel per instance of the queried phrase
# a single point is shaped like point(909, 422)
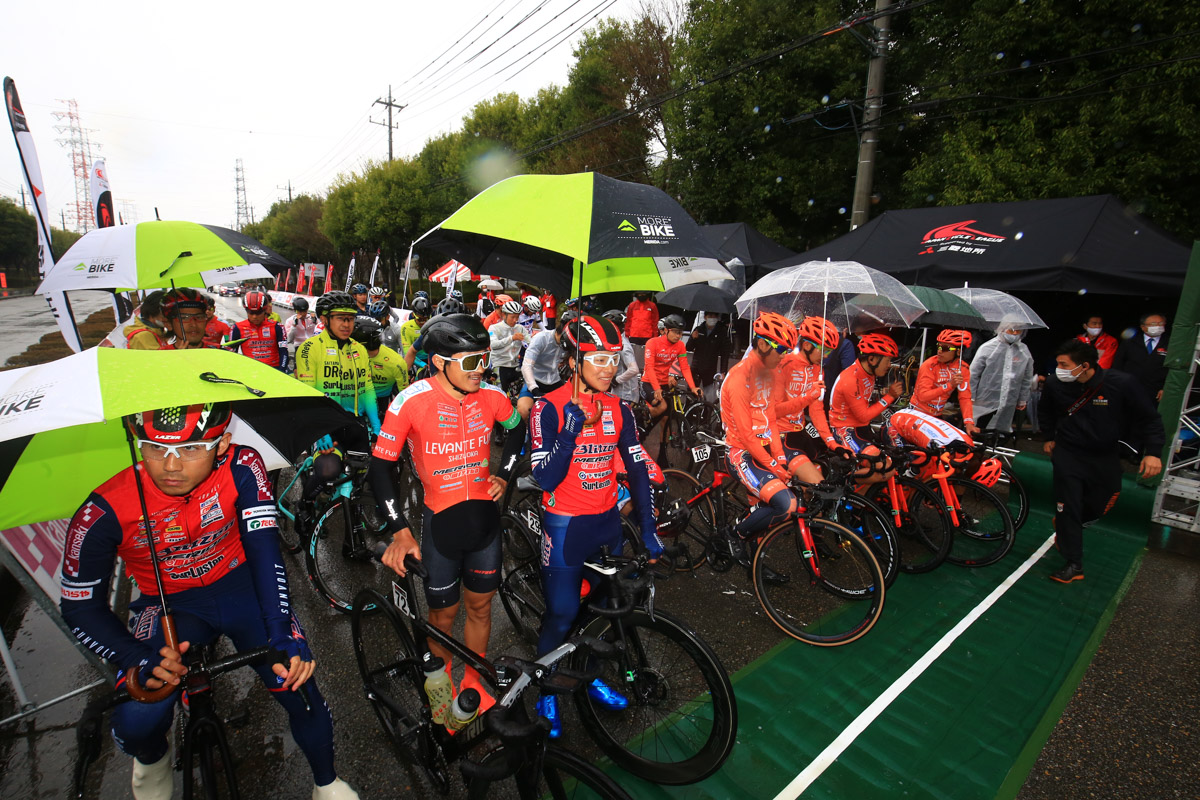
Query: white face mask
point(710, 322)
point(1093, 331)
point(1155, 330)
point(1011, 338)
point(1066, 375)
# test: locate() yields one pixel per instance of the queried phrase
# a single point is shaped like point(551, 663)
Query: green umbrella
point(578, 234)
point(947, 310)
point(60, 423)
point(158, 255)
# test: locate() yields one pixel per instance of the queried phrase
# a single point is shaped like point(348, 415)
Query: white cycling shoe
point(338, 790)
point(153, 781)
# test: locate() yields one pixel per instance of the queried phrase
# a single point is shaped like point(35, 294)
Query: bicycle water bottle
point(465, 709)
point(438, 688)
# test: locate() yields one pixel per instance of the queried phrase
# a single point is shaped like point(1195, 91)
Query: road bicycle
point(1009, 487)
point(681, 721)
point(500, 745)
point(203, 753)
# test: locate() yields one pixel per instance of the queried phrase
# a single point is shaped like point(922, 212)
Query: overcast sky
point(175, 92)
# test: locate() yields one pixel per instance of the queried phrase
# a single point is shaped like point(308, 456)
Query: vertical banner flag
point(287, 281)
point(349, 272)
point(59, 305)
point(328, 278)
point(374, 267)
point(102, 200)
point(300, 280)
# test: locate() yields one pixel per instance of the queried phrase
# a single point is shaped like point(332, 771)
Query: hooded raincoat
point(1001, 379)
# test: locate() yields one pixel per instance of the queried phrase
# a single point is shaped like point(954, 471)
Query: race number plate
point(534, 521)
point(400, 599)
point(700, 453)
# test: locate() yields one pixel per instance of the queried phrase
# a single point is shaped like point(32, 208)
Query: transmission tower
point(243, 206)
point(78, 141)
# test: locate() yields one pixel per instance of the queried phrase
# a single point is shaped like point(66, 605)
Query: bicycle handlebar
point(411, 562)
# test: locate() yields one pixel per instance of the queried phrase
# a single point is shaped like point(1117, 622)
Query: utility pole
point(23, 198)
point(289, 188)
point(869, 140)
point(389, 105)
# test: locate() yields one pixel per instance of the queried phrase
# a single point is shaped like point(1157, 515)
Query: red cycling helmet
point(591, 334)
point(988, 472)
point(176, 300)
point(256, 301)
point(877, 344)
point(819, 331)
point(195, 423)
point(955, 338)
point(776, 328)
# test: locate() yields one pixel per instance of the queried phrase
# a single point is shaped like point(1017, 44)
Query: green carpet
point(971, 725)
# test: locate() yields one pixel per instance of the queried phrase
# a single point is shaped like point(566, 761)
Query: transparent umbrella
point(998, 307)
point(846, 292)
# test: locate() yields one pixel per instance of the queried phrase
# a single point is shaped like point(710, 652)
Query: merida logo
point(627, 226)
point(82, 266)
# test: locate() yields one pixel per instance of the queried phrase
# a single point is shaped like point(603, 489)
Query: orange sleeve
point(859, 410)
point(650, 373)
point(787, 406)
point(926, 391)
point(816, 413)
point(684, 366)
point(964, 393)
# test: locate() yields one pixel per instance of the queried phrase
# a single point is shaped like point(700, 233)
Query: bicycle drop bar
point(411, 562)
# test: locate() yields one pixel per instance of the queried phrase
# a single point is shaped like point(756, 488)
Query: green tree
point(18, 243)
point(292, 229)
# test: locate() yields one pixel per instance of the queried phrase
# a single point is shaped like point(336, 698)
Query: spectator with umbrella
point(1001, 378)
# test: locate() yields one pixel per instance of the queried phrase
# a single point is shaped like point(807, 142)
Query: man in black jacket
point(1145, 356)
point(1086, 413)
point(711, 347)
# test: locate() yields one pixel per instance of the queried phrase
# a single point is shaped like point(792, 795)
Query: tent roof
point(739, 240)
point(1097, 244)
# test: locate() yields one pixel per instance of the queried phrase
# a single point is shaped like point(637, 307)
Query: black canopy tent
point(1077, 244)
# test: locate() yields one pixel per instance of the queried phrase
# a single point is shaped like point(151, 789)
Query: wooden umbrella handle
point(133, 682)
point(588, 419)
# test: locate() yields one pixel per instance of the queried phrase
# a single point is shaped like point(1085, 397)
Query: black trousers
point(1086, 487)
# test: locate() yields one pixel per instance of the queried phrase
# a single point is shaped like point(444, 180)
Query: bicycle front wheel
point(521, 578)
point(923, 530)
point(339, 558)
point(1010, 489)
point(287, 492)
point(869, 521)
point(701, 523)
point(563, 776)
point(830, 597)
point(681, 721)
point(985, 531)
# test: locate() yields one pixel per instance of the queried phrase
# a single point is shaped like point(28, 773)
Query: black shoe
point(1071, 572)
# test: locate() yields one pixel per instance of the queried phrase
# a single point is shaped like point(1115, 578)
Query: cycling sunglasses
point(778, 348)
point(471, 362)
point(602, 360)
point(942, 348)
point(192, 451)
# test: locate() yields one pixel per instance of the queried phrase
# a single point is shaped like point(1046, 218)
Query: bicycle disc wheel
point(1010, 489)
point(701, 522)
point(681, 721)
point(837, 607)
point(521, 579)
point(563, 776)
point(869, 521)
point(390, 668)
point(339, 561)
point(923, 531)
point(289, 539)
point(985, 531)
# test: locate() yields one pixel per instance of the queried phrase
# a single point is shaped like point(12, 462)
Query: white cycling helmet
point(533, 305)
point(511, 307)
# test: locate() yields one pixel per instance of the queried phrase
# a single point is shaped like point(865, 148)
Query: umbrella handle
point(588, 419)
point(137, 689)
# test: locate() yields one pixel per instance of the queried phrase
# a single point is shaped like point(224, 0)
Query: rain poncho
point(627, 382)
point(1001, 377)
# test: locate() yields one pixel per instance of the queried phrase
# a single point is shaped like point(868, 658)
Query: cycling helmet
point(673, 323)
point(256, 301)
point(450, 306)
point(358, 288)
point(592, 335)
point(533, 305)
point(567, 316)
point(615, 316)
point(299, 304)
point(819, 331)
point(377, 309)
point(877, 344)
point(511, 307)
point(673, 517)
point(421, 306)
point(775, 328)
point(421, 293)
point(376, 293)
point(368, 332)
point(955, 338)
point(445, 335)
point(501, 299)
point(988, 472)
point(455, 294)
point(200, 422)
point(335, 301)
point(177, 299)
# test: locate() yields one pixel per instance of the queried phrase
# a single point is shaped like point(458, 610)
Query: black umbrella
point(698, 297)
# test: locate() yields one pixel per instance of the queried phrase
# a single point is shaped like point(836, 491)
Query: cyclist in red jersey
point(259, 337)
point(799, 397)
point(446, 423)
point(850, 408)
point(215, 329)
point(663, 353)
point(944, 374)
point(184, 310)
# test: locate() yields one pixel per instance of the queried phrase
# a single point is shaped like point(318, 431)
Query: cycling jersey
point(341, 371)
point(798, 389)
point(215, 332)
point(265, 343)
point(448, 438)
point(492, 318)
point(409, 332)
point(227, 522)
point(748, 414)
point(661, 355)
point(850, 405)
point(532, 323)
point(141, 335)
point(910, 426)
point(937, 381)
point(388, 372)
point(298, 331)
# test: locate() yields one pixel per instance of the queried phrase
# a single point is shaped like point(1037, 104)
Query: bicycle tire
point(1010, 489)
point(923, 531)
point(410, 493)
point(701, 524)
point(338, 566)
point(873, 524)
point(737, 502)
point(216, 783)
point(290, 540)
point(681, 722)
point(985, 533)
point(838, 607)
point(564, 776)
point(521, 579)
point(699, 417)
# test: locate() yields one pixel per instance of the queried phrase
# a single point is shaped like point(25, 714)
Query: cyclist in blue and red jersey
point(576, 430)
point(212, 516)
point(446, 422)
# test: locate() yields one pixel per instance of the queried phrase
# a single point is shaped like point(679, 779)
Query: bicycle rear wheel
point(521, 579)
point(563, 776)
point(1010, 489)
point(985, 531)
point(923, 530)
point(681, 722)
point(701, 522)
point(836, 607)
point(869, 521)
point(339, 558)
point(289, 538)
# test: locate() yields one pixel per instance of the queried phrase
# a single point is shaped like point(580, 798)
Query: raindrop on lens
point(779, 179)
point(842, 210)
point(1026, 64)
point(825, 100)
point(1082, 292)
point(756, 109)
point(1019, 235)
point(999, 56)
point(1136, 28)
point(810, 202)
point(766, 129)
point(928, 198)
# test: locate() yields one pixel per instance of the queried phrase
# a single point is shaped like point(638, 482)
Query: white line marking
point(838, 746)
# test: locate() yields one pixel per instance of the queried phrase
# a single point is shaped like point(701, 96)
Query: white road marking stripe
point(838, 746)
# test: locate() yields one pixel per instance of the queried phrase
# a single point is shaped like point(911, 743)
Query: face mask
point(1011, 338)
point(710, 322)
point(1066, 375)
point(1155, 330)
point(1092, 331)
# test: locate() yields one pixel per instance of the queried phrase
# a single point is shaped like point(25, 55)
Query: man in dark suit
point(1144, 356)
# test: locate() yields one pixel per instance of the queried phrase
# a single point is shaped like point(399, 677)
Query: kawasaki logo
point(627, 226)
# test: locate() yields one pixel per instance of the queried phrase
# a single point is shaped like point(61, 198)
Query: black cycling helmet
point(616, 317)
point(567, 316)
point(421, 306)
point(195, 423)
point(176, 300)
point(450, 306)
point(334, 301)
point(299, 304)
point(673, 323)
point(368, 332)
point(448, 334)
point(358, 288)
